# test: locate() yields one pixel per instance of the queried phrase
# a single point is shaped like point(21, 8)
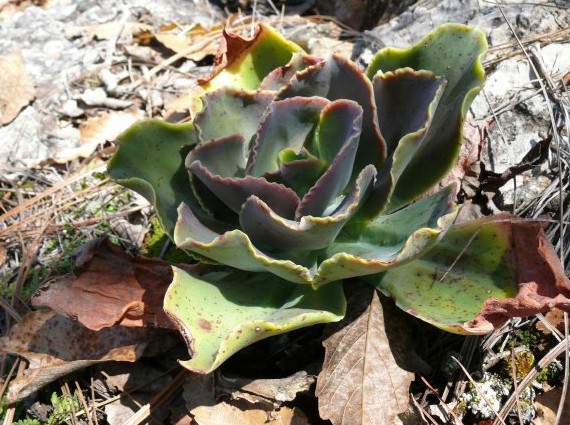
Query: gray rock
point(55, 63)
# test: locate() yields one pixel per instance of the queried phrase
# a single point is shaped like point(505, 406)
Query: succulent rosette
point(310, 175)
point(305, 171)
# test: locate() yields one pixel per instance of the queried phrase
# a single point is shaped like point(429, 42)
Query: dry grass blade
point(443, 404)
point(501, 52)
point(560, 410)
point(560, 348)
point(479, 392)
point(83, 402)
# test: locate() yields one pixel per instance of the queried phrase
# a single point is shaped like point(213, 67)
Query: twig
point(531, 376)
point(562, 401)
point(112, 42)
point(83, 402)
point(479, 392)
point(161, 398)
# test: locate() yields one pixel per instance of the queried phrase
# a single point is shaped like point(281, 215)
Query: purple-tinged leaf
point(234, 191)
point(404, 125)
point(224, 156)
point(279, 77)
point(406, 100)
point(454, 52)
point(231, 110)
point(287, 125)
point(233, 248)
point(338, 78)
point(337, 137)
point(270, 232)
point(300, 172)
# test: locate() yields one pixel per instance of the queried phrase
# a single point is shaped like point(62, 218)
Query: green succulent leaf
point(368, 247)
point(221, 313)
point(150, 160)
point(361, 248)
point(338, 78)
point(245, 62)
point(229, 111)
point(454, 52)
point(336, 141)
point(286, 126)
point(480, 274)
point(299, 170)
point(233, 248)
point(270, 232)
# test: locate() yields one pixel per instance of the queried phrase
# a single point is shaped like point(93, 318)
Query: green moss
point(551, 374)
point(155, 242)
point(524, 362)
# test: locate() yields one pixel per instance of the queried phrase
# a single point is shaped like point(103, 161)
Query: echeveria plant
point(299, 172)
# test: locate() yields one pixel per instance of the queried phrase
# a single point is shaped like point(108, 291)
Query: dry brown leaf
point(107, 30)
point(542, 284)
point(98, 130)
point(3, 252)
point(365, 378)
point(546, 405)
point(16, 87)
point(201, 394)
point(242, 414)
point(556, 319)
point(184, 43)
point(55, 346)
point(111, 287)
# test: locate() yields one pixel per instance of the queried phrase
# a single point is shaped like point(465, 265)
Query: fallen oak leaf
point(16, 87)
point(241, 413)
point(55, 346)
point(365, 377)
point(110, 287)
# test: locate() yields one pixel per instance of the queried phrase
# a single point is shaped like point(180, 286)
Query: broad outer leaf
point(110, 287)
point(220, 313)
point(150, 160)
point(56, 346)
point(482, 273)
point(244, 63)
point(454, 52)
point(365, 378)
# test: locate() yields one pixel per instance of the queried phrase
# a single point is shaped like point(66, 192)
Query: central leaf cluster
point(282, 170)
